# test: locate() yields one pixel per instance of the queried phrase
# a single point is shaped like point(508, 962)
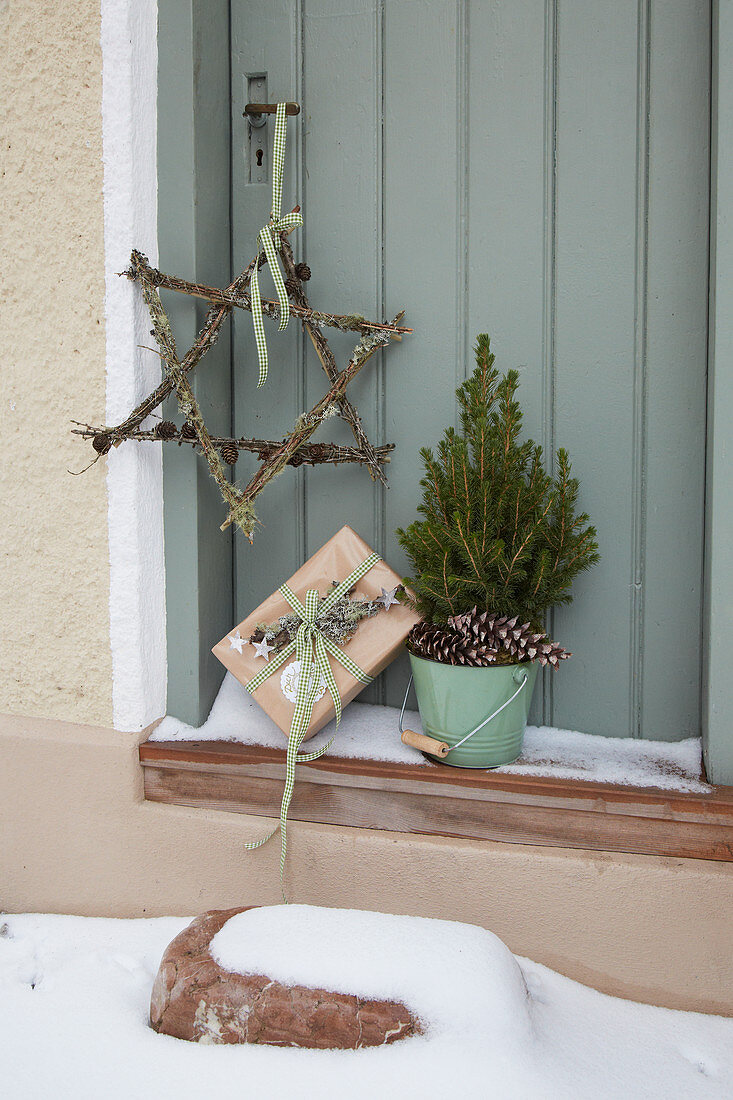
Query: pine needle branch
point(497, 532)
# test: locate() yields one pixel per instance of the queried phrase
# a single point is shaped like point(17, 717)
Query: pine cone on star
point(229, 452)
point(166, 429)
point(101, 443)
point(188, 431)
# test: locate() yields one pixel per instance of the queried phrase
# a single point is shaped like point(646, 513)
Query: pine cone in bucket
point(505, 634)
point(478, 638)
point(450, 647)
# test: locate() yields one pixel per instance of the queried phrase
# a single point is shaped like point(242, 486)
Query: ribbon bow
point(311, 648)
point(269, 239)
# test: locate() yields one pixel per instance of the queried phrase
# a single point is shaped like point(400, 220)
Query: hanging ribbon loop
point(312, 648)
point(268, 241)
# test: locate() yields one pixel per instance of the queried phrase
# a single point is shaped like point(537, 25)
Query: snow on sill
point(371, 733)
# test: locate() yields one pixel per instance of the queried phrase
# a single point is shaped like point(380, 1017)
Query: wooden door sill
point(443, 801)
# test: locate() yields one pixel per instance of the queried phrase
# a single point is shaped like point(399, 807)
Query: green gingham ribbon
point(269, 240)
point(311, 648)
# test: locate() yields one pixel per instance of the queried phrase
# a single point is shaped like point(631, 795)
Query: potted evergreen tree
point(499, 543)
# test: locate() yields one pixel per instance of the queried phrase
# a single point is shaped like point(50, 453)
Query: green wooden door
point(539, 171)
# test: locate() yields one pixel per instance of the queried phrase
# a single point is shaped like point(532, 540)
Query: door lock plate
point(255, 91)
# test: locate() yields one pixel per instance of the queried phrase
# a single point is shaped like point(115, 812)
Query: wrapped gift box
point(376, 643)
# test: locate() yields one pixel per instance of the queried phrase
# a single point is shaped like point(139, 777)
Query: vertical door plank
point(510, 201)
point(266, 39)
point(343, 211)
point(676, 350)
point(595, 348)
point(194, 234)
point(508, 170)
point(422, 247)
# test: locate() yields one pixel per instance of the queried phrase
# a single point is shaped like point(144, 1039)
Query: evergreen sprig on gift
point(339, 623)
point(498, 532)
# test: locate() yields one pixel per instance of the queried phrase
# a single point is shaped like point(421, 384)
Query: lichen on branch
point(339, 622)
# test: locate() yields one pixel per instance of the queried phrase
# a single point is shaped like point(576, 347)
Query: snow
point(372, 733)
point(566, 754)
point(409, 959)
point(74, 995)
point(365, 731)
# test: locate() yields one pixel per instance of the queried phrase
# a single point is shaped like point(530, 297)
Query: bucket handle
point(441, 748)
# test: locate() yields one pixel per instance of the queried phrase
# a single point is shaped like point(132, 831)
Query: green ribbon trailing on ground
point(311, 648)
point(269, 240)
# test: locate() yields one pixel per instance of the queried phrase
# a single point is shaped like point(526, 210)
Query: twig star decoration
point(295, 448)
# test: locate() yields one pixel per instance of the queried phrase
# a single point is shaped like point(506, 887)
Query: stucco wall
point(53, 527)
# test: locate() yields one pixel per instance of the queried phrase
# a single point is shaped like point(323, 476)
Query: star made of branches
point(293, 449)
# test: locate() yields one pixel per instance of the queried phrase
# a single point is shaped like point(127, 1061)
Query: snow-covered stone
point(196, 998)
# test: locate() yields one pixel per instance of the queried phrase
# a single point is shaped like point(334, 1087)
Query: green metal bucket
point(454, 700)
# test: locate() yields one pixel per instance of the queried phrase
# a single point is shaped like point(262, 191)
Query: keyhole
point(259, 158)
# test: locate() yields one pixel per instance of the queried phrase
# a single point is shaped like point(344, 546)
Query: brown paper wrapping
point(375, 644)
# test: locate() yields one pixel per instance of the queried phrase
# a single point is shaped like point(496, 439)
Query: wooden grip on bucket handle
point(424, 743)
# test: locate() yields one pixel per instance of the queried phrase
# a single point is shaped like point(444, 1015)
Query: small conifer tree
point(498, 532)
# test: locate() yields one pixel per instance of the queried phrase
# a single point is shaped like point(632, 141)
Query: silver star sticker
point(388, 598)
point(236, 641)
point(262, 649)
